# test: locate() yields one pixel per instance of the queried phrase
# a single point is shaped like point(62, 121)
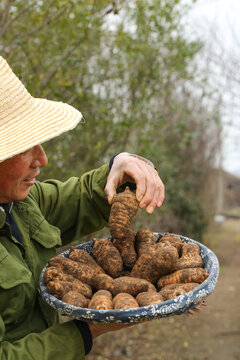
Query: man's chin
point(21, 196)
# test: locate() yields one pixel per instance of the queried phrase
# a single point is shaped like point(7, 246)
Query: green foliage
point(129, 68)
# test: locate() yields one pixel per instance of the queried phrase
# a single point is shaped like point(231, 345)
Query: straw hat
point(26, 121)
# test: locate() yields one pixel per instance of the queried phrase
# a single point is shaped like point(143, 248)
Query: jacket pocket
point(47, 235)
point(12, 271)
point(17, 291)
point(44, 240)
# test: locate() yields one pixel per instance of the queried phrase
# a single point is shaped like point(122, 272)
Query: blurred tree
point(128, 67)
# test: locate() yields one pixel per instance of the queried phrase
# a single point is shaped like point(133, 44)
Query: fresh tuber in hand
point(123, 209)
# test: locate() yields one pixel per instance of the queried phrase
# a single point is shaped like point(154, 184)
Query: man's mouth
point(32, 180)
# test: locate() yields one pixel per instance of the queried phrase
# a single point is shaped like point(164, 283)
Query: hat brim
point(38, 121)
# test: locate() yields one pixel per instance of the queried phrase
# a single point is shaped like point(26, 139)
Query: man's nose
point(40, 158)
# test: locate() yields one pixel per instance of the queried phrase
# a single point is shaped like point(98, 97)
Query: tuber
point(102, 299)
point(84, 257)
point(59, 287)
point(126, 249)
point(148, 298)
point(103, 281)
point(156, 262)
point(52, 273)
point(107, 256)
point(83, 272)
point(105, 293)
point(124, 301)
point(132, 286)
point(173, 240)
point(190, 257)
point(172, 290)
point(75, 299)
point(124, 208)
point(197, 275)
point(145, 239)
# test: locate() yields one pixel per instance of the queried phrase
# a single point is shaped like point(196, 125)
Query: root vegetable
point(124, 301)
point(197, 275)
point(102, 299)
point(83, 272)
point(175, 293)
point(59, 287)
point(75, 299)
point(126, 249)
point(103, 282)
point(190, 257)
point(148, 298)
point(105, 293)
point(107, 256)
point(123, 209)
point(156, 262)
point(151, 287)
point(84, 257)
point(172, 290)
point(129, 285)
point(173, 240)
point(145, 239)
point(52, 273)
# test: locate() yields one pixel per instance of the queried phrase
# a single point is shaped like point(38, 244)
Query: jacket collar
point(7, 207)
point(2, 216)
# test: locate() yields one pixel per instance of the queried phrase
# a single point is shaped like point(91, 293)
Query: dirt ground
point(212, 334)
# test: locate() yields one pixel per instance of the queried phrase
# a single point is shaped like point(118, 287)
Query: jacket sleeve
point(78, 206)
point(58, 342)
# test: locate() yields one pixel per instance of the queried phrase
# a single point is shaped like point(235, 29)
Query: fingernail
point(160, 203)
point(149, 209)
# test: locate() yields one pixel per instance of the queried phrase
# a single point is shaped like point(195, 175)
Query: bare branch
point(5, 15)
point(47, 21)
point(7, 23)
point(51, 75)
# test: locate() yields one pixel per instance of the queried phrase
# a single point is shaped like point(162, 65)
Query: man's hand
point(150, 189)
point(98, 329)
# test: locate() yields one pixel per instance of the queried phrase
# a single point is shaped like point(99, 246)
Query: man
point(37, 217)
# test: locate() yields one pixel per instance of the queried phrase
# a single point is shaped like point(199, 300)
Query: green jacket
point(53, 214)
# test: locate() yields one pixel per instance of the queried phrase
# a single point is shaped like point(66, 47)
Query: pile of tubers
point(129, 271)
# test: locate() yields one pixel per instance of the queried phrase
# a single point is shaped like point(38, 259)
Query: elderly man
point(36, 217)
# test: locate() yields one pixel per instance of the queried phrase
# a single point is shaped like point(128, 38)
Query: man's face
point(18, 174)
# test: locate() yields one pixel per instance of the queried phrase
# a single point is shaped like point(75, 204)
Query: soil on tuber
point(83, 272)
point(173, 240)
point(102, 299)
point(75, 299)
point(190, 257)
point(145, 240)
point(197, 275)
point(149, 298)
point(170, 291)
point(60, 287)
point(124, 301)
point(126, 284)
point(124, 208)
point(158, 261)
point(103, 282)
point(84, 257)
point(107, 256)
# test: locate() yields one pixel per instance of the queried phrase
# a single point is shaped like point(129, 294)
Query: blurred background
point(159, 79)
